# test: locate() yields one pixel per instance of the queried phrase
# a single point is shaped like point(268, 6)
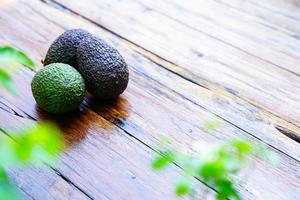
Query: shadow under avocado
point(74, 124)
point(115, 111)
point(77, 124)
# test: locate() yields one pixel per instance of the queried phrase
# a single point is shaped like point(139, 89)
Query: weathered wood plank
point(82, 162)
point(144, 116)
point(234, 28)
point(281, 14)
point(201, 57)
point(200, 16)
point(43, 183)
point(250, 118)
point(102, 161)
point(246, 116)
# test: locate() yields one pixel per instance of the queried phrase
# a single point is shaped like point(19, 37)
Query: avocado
point(102, 67)
point(58, 88)
point(63, 49)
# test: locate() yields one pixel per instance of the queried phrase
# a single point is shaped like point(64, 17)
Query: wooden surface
point(238, 61)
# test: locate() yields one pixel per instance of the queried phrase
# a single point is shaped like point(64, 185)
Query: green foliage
point(9, 59)
point(7, 82)
point(38, 144)
point(7, 191)
point(216, 165)
point(162, 161)
point(12, 56)
point(183, 187)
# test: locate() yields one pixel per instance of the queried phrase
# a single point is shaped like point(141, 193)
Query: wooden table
point(190, 61)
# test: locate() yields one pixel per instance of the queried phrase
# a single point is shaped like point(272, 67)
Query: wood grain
point(279, 14)
point(235, 28)
point(43, 183)
point(146, 112)
point(245, 116)
point(200, 57)
point(102, 161)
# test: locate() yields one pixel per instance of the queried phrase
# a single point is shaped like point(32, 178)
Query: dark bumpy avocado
point(103, 68)
point(58, 88)
point(63, 49)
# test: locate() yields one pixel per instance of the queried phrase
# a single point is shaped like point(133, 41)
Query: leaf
point(48, 136)
point(6, 82)
point(162, 160)
point(43, 142)
point(242, 147)
point(3, 176)
point(226, 190)
point(10, 55)
point(183, 187)
point(216, 165)
point(212, 170)
point(7, 190)
point(23, 150)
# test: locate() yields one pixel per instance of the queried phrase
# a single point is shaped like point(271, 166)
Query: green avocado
point(63, 49)
point(102, 67)
point(58, 88)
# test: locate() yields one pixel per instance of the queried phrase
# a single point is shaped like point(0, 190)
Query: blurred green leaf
point(216, 165)
point(41, 143)
point(242, 147)
point(11, 55)
point(212, 170)
point(6, 82)
point(183, 187)
point(162, 160)
point(7, 191)
point(226, 190)
point(3, 176)
point(36, 145)
point(9, 58)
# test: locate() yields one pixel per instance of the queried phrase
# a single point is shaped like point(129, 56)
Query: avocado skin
point(63, 49)
point(102, 67)
point(58, 88)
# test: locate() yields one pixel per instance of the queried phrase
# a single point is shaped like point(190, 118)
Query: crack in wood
point(9, 109)
point(71, 182)
point(292, 135)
